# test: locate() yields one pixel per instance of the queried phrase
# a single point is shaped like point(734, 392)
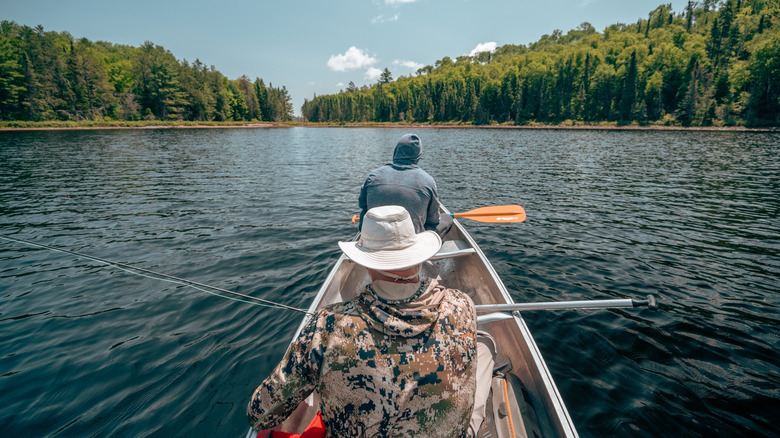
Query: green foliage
point(50, 76)
point(715, 63)
point(11, 79)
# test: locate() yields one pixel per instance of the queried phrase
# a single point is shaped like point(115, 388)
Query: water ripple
point(90, 350)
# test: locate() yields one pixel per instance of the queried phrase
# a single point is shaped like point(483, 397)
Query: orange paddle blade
point(494, 214)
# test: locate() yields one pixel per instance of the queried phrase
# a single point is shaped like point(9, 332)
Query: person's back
point(404, 183)
point(413, 375)
point(398, 360)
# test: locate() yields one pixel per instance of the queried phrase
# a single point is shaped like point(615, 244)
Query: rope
point(141, 272)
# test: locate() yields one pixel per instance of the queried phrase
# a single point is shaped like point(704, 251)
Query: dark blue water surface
point(90, 350)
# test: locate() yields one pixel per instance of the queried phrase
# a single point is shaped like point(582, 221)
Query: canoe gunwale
point(564, 425)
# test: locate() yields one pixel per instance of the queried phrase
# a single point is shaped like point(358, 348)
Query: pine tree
point(628, 98)
point(11, 80)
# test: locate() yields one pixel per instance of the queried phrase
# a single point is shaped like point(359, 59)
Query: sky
point(315, 47)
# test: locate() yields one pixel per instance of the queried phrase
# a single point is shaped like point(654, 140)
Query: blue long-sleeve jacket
point(404, 183)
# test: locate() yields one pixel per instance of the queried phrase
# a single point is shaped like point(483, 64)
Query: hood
point(408, 151)
point(405, 319)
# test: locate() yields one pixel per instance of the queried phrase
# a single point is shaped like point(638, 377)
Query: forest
point(50, 76)
point(717, 63)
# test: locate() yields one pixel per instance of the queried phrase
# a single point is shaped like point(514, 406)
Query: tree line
point(715, 63)
point(52, 76)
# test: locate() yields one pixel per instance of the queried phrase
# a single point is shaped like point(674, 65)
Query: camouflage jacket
point(401, 369)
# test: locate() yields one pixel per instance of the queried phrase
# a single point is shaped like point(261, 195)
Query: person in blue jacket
point(404, 183)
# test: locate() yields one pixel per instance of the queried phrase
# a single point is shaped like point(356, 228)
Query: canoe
point(524, 401)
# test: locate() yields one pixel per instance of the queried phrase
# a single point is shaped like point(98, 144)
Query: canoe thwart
point(454, 248)
point(448, 255)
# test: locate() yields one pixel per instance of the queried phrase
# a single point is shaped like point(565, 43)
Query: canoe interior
point(524, 399)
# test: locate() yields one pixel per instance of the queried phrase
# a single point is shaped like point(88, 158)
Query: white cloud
point(382, 19)
point(353, 59)
point(411, 65)
point(392, 4)
point(372, 74)
point(484, 47)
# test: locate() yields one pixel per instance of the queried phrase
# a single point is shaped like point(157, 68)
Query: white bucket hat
point(388, 242)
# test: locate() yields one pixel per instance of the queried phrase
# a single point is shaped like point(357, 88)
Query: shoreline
point(552, 127)
point(271, 125)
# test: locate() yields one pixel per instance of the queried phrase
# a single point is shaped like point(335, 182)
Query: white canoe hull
point(525, 402)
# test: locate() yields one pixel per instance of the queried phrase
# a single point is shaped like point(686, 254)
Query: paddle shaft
point(650, 302)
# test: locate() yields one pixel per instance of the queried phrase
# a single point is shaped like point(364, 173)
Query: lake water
point(90, 350)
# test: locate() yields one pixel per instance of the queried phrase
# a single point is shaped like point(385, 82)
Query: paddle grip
point(650, 302)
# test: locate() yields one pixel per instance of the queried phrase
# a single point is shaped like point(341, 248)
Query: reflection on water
point(90, 350)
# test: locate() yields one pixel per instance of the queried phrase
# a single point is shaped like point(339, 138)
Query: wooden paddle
point(491, 214)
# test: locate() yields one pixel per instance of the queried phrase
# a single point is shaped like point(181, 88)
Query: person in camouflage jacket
point(399, 360)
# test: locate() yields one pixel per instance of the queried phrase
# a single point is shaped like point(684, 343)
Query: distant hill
point(47, 76)
point(715, 63)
